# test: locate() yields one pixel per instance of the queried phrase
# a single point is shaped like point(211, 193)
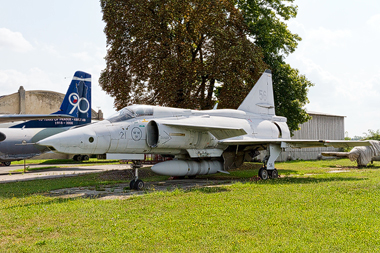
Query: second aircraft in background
point(17, 139)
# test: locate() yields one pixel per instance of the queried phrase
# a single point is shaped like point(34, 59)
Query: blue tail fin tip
point(77, 101)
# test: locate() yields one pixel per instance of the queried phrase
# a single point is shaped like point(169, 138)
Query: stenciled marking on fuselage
point(123, 135)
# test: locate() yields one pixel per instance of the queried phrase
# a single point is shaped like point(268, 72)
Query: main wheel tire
point(263, 174)
point(75, 158)
point(139, 185)
point(274, 174)
point(132, 184)
point(85, 158)
point(79, 158)
point(7, 163)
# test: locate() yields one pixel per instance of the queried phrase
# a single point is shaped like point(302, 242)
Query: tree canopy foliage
point(372, 135)
point(172, 52)
point(175, 52)
point(266, 22)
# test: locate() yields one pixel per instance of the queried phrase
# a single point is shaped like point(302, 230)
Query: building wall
point(321, 126)
point(10, 104)
point(42, 102)
point(326, 127)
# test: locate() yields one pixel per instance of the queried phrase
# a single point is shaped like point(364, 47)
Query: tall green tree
point(372, 135)
point(174, 52)
point(266, 21)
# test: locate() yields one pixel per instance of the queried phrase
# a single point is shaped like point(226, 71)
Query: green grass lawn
point(308, 209)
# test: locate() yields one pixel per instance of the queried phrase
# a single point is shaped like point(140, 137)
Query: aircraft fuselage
point(155, 132)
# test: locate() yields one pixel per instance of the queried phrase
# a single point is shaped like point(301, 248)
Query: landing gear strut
point(268, 170)
point(136, 183)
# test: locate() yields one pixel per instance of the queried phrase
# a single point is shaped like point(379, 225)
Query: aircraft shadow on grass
point(47, 202)
point(311, 180)
point(71, 162)
point(208, 189)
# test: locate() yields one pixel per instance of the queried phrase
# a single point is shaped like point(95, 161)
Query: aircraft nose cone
point(53, 143)
point(82, 140)
point(70, 142)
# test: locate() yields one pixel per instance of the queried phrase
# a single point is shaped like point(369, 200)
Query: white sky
point(43, 42)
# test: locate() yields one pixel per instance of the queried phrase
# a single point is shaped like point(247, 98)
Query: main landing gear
point(269, 171)
point(79, 158)
point(264, 174)
point(136, 183)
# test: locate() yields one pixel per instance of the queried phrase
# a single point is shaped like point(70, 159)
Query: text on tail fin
point(260, 99)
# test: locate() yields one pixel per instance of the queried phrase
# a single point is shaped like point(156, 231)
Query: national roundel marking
point(136, 134)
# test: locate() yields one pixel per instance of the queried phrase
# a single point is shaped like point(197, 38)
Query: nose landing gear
point(136, 183)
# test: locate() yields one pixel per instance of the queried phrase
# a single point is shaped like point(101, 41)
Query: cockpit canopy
point(132, 111)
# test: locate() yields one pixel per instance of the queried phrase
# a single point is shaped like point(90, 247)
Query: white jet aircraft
point(202, 142)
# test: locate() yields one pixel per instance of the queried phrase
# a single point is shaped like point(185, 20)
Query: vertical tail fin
point(77, 101)
point(260, 99)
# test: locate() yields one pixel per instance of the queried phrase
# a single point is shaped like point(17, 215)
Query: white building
point(322, 126)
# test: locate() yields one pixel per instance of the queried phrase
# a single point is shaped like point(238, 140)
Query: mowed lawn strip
point(320, 212)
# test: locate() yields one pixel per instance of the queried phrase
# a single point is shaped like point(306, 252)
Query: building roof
point(324, 114)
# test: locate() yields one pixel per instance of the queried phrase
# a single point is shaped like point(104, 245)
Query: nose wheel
point(136, 184)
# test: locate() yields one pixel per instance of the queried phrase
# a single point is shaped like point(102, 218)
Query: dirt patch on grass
point(126, 174)
point(122, 190)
